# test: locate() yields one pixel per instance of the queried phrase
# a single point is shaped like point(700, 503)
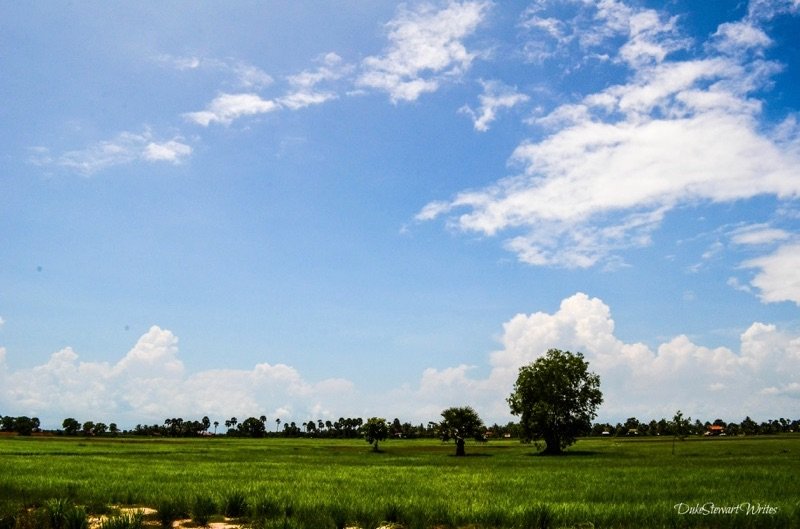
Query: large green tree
point(460, 424)
point(556, 398)
point(71, 426)
point(375, 430)
point(252, 427)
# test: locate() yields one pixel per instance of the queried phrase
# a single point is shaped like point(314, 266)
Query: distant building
point(715, 429)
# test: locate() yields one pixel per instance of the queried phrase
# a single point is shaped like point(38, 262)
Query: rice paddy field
point(416, 484)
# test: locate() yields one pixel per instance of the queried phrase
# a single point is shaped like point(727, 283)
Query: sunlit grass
point(603, 482)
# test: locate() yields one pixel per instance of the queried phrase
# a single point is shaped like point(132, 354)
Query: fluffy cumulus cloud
point(777, 278)
point(150, 383)
point(610, 166)
point(426, 47)
point(124, 148)
point(760, 378)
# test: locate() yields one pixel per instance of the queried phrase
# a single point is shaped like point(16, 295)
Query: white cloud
point(769, 9)
point(778, 278)
point(251, 77)
point(496, 96)
point(759, 380)
point(125, 148)
point(758, 234)
point(590, 29)
point(305, 90)
point(426, 48)
point(169, 151)
point(244, 75)
point(738, 37)
point(616, 162)
point(2, 322)
point(227, 107)
point(150, 383)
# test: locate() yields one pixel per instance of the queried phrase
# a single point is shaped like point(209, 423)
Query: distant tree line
point(21, 425)
point(352, 428)
point(634, 427)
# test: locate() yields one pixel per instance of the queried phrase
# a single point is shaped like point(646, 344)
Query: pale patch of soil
point(212, 525)
point(95, 521)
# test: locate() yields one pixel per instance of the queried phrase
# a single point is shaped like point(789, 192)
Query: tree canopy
point(556, 398)
point(460, 424)
point(375, 430)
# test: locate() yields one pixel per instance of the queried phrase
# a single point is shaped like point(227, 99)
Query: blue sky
point(324, 209)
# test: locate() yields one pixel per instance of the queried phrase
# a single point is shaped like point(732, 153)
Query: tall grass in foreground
point(318, 484)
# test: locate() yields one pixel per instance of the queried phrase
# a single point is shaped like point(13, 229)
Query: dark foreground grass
point(319, 484)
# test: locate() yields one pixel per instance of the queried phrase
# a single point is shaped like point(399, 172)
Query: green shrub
point(315, 517)
point(124, 521)
point(268, 507)
point(55, 511)
point(75, 518)
point(340, 516)
point(277, 523)
point(537, 517)
point(167, 511)
point(393, 513)
point(203, 507)
point(235, 504)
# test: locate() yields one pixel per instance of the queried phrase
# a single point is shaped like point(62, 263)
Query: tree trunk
point(460, 447)
point(552, 445)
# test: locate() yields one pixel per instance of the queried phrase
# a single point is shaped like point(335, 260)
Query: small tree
point(680, 428)
point(460, 424)
point(88, 428)
point(252, 427)
point(556, 398)
point(25, 425)
point(71, 426)
point(375, 430)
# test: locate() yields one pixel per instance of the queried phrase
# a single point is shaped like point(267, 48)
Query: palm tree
point(277, 424)
point(216, 423)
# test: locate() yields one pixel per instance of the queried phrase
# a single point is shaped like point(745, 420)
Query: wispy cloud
point(758, 234)
point(125, 148)
point(242, 75)
point(616, 162)
point(225, 108)
point(426, 47)
point(496, 96)
point(305, 86)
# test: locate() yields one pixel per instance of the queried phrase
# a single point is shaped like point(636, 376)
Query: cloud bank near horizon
point(151, 382)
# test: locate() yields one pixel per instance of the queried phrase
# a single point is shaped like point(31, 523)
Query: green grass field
point(600, 483)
